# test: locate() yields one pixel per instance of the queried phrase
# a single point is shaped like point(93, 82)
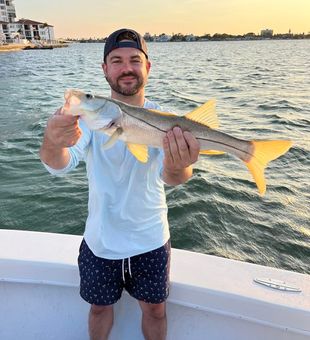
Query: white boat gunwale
point(199, 282)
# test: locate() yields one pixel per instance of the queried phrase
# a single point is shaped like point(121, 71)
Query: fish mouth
point(71, 99)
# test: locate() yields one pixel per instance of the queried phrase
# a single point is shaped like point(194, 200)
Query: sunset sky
point(98, 18)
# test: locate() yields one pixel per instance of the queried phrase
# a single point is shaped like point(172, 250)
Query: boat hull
point(210, 297)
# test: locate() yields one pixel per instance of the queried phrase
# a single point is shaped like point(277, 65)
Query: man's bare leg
point(100, 322)
point(154, 320)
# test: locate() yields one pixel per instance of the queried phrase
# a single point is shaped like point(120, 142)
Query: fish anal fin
point(263, 153)
point(205, 114)
point(211, 152)
point(139, 151)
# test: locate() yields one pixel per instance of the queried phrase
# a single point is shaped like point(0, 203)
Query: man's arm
point(181, 151)
point(61, 132)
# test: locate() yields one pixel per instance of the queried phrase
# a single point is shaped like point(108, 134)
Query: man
point(126, 241)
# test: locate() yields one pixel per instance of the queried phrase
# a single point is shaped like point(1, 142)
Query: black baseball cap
point(133, 39)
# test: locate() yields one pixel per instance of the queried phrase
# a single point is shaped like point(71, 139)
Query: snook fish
point(139, 128)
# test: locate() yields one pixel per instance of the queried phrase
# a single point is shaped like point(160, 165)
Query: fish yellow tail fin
point(264, 152)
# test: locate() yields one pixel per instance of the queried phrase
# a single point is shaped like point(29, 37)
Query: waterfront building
point(162, 38)
point(147, 37)
point(267, 33)
point(12, 30)
point(2, 30)
point(7, 11)
point(190, 37)
point(34, 30)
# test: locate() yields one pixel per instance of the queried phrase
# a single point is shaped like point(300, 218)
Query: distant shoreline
point(198, 40)
point(21, 47)
point(11, 47)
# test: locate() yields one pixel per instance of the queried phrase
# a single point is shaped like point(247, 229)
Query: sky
point(98, 18)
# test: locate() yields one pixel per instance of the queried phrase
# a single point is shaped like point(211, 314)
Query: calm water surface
point(262, 91)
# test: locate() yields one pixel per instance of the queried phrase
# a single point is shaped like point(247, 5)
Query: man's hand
point(62, 131)
point(181, 151)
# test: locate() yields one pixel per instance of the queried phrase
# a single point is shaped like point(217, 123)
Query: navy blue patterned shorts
point(144, 276)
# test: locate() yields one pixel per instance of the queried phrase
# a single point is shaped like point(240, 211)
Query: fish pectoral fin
point(205, 114)
point(211, 152)
point(263, 153)
point(139, 151)
point(113, 139)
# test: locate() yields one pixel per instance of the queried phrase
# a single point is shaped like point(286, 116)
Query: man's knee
point(155, 311)
point(96, 310)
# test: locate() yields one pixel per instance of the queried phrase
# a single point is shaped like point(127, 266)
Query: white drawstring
point(123, 268)
point(129, 266)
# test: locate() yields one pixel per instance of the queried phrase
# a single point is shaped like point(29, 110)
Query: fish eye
point(89, 96)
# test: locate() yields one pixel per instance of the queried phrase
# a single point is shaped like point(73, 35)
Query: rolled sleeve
point(60, 172)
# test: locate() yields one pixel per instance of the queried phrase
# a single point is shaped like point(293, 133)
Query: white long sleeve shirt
point(127, 210)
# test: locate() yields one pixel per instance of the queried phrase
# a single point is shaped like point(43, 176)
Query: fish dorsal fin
point(162, 113)
point(139, 151)
point(205, 114)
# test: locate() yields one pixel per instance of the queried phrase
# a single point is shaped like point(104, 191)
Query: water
point(262, 91)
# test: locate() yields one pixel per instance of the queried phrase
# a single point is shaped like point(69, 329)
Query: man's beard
point(123, 90)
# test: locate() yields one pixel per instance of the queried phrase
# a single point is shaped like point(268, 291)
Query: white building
point(162, 38)
point(190, 37)
point(4, 31)
point(267, 33)
point(12, 30)
point(7, 11)
point(34, 30)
